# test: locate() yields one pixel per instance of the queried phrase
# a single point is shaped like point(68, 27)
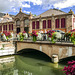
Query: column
point(40, 21)
point(7, 26)
point(30, 26)
point(60, 22)
point(53, 23)
point(21, 26)
point(2, 28)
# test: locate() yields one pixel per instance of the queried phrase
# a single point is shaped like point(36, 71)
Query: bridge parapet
point(63, 50)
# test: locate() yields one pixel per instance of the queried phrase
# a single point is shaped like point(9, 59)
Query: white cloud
point(47, 4)
point(8, 5)
point(65, 4)
point(26, 12)
point(26, 5)
point(14, 5)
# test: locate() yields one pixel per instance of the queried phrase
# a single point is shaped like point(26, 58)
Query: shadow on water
point(65, 60)
point(35, 54)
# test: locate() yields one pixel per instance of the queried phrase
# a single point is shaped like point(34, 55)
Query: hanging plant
point(34, 35)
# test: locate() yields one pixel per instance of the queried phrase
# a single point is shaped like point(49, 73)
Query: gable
point(21, 15)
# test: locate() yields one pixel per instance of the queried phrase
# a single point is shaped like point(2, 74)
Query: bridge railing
point(66, 40)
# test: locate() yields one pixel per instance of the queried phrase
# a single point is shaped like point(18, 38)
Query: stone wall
point(61, 49)
point(68, 22)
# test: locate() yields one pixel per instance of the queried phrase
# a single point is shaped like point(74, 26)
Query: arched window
point(18, 22)
point(26, 22)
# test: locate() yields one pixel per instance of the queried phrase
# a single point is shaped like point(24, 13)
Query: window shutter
point(37, 25)
point(6, 27)
point(9, 27)
point(57, 23)
point(12, 26)
point(33, 25)
point(63, 23)
point(3, 27)
point(44, 24)
point(49, 23)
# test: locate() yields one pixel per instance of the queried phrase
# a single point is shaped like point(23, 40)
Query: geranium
point(72, 30)
point(24, 32)
point(6, 34)
point(73, 38)
point(34, 35)
point(50, 33)
point(70, 70)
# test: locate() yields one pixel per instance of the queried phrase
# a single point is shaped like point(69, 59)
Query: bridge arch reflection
point(33, 53)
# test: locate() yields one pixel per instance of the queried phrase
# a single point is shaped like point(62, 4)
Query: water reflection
point(21, 65)
point(7, 65)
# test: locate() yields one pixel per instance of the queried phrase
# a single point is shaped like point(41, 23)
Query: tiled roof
point(50, 12)
point(3, 14)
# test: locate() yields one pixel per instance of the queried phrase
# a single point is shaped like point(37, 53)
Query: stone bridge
point(62, 50)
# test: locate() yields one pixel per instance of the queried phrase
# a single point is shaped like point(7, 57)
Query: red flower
point(34, 33)
point(50, 33)
point(24, 32)
point(70, 69)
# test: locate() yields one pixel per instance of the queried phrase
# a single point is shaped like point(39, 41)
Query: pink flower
point(70, 70)
point(24, 32)
point(34, 33)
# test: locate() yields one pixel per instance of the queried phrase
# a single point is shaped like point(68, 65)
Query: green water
point(34, 63)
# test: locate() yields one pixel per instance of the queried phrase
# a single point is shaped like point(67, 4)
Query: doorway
point(18, 30)
point(26, 29)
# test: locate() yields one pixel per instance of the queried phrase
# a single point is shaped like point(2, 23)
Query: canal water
point(29, 63)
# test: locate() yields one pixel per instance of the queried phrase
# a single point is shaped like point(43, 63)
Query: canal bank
point(7, 48)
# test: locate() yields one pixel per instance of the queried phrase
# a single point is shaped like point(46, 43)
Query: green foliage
point(21, 37)
point(73, 38)
point(53, 37)
point(2, 49)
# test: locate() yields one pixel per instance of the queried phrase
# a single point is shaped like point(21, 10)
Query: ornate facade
point(52, 19)
point(22, 22)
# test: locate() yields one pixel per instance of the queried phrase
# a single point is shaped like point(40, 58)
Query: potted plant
point(34, 35)
point(51, 36)
point(25, 35)
point(6, 35)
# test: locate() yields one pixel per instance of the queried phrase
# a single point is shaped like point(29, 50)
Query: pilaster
point(22, 26)
point(30, 26)
point(53, 23)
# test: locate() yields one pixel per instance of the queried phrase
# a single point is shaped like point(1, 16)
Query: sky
point(35, 6)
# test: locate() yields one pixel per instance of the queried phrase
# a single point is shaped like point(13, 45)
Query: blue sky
point(35, 6)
